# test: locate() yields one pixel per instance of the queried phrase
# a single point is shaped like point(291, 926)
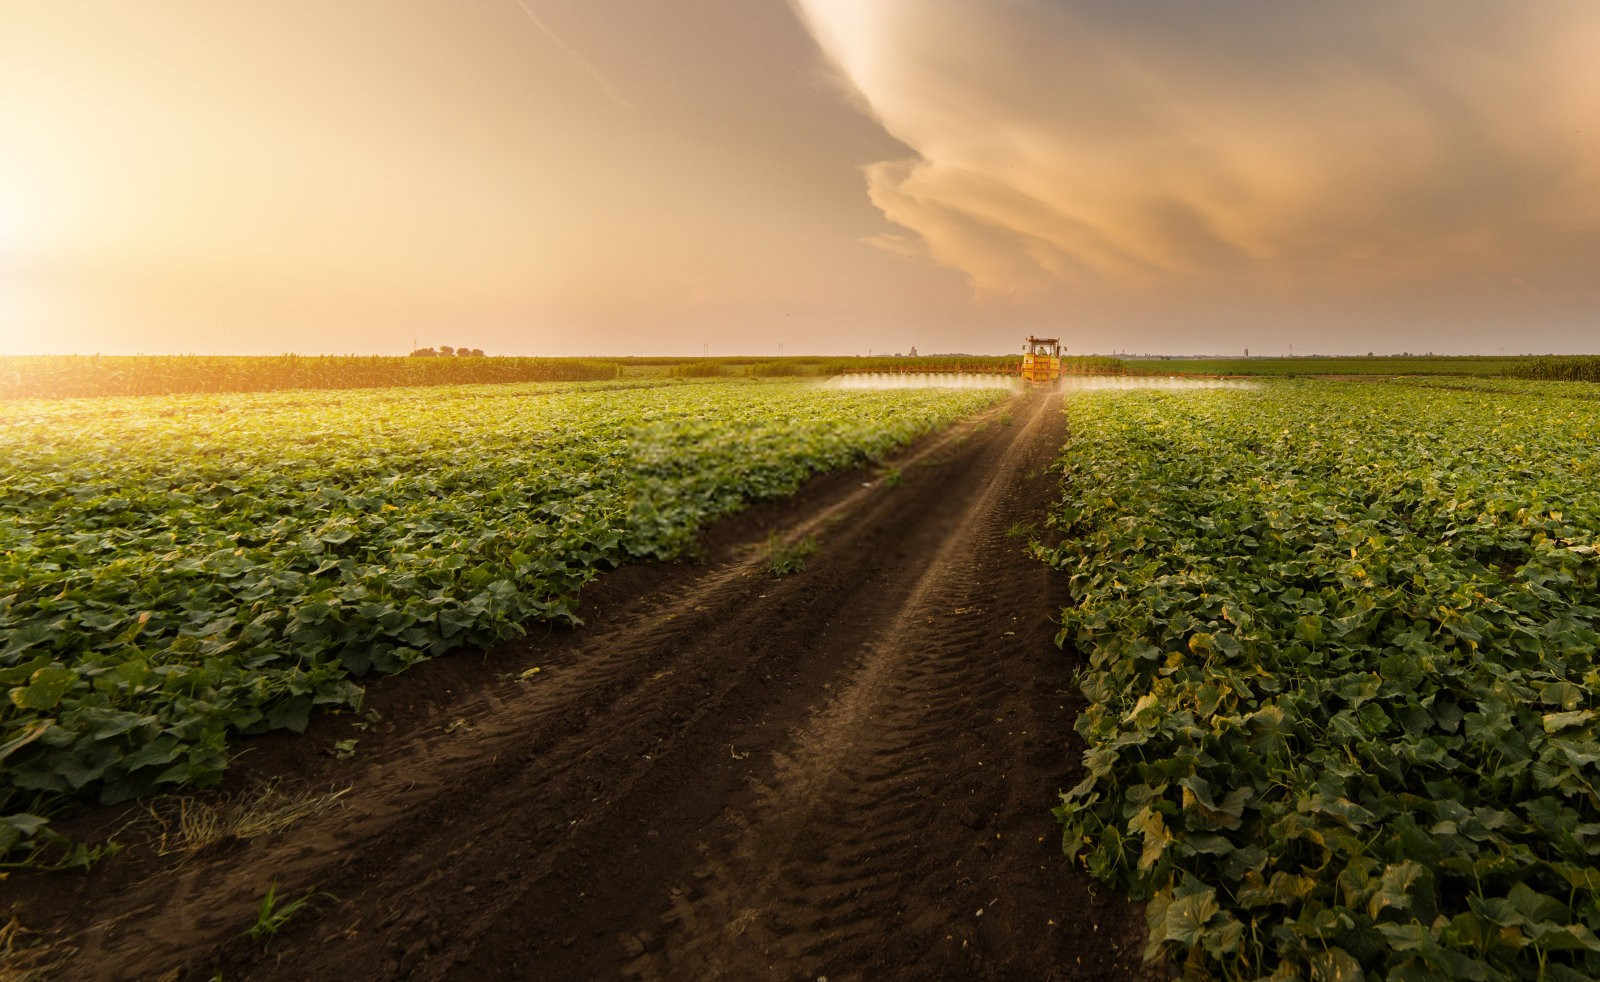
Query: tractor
point(1041, 360)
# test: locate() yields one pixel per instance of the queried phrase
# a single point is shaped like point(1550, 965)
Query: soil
point(846, 772)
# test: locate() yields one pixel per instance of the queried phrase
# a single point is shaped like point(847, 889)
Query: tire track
point(820, 868)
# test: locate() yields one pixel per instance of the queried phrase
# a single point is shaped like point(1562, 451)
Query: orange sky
point(599, 176)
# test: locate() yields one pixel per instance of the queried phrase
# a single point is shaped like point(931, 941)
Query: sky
point(568, 177)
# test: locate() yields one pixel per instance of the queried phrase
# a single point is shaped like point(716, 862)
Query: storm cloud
point(1296, 148)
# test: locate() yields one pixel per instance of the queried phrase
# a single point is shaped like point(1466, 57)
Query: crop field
point(1341, 674)
point(1467, 365)
point(1328, 646)
point(177, 571)
point(24, 377)
point(1566, 368)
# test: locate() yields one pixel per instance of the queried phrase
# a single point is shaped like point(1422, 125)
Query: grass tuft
point(271, 916)
point(785, 558)
point(1021, 530)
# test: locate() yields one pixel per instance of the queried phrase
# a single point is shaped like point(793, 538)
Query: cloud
point(1291, 147)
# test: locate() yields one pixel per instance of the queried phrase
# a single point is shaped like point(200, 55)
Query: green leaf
point(1534, 905)
point(1394, 888)
point(19, 829)
point(1405, 937)
point(1556, 722)
point(1202, 812)
point(44, 689)
point(1149, 823)
point(1186, 917)
point(1563, 937)
point(29, 733)
point(1335, 965)
point(1563, 694)
point(24, 823)
point(1283, 888)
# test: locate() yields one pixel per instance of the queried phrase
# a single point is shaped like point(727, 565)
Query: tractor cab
point(1041, 359)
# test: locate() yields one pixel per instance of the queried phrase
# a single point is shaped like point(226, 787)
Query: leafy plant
point(786, 558)
point(32, 844)
point(272, 915)
point(1341, 669)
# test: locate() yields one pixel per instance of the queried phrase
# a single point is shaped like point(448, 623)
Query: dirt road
point(846, 772)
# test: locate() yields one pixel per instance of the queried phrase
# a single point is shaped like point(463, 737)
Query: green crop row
point(1510, 386)
point(177, 571)
point(1341, 668)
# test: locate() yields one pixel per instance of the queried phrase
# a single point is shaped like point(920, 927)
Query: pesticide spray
point(923, 380)
point(1066, 383)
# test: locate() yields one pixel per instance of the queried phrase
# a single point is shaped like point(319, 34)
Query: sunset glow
point(565, 177)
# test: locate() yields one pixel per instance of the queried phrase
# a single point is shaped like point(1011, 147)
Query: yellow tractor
point(1041, 360)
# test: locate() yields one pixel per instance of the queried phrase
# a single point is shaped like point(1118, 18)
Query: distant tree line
point(445, 351)
point(59, 376)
